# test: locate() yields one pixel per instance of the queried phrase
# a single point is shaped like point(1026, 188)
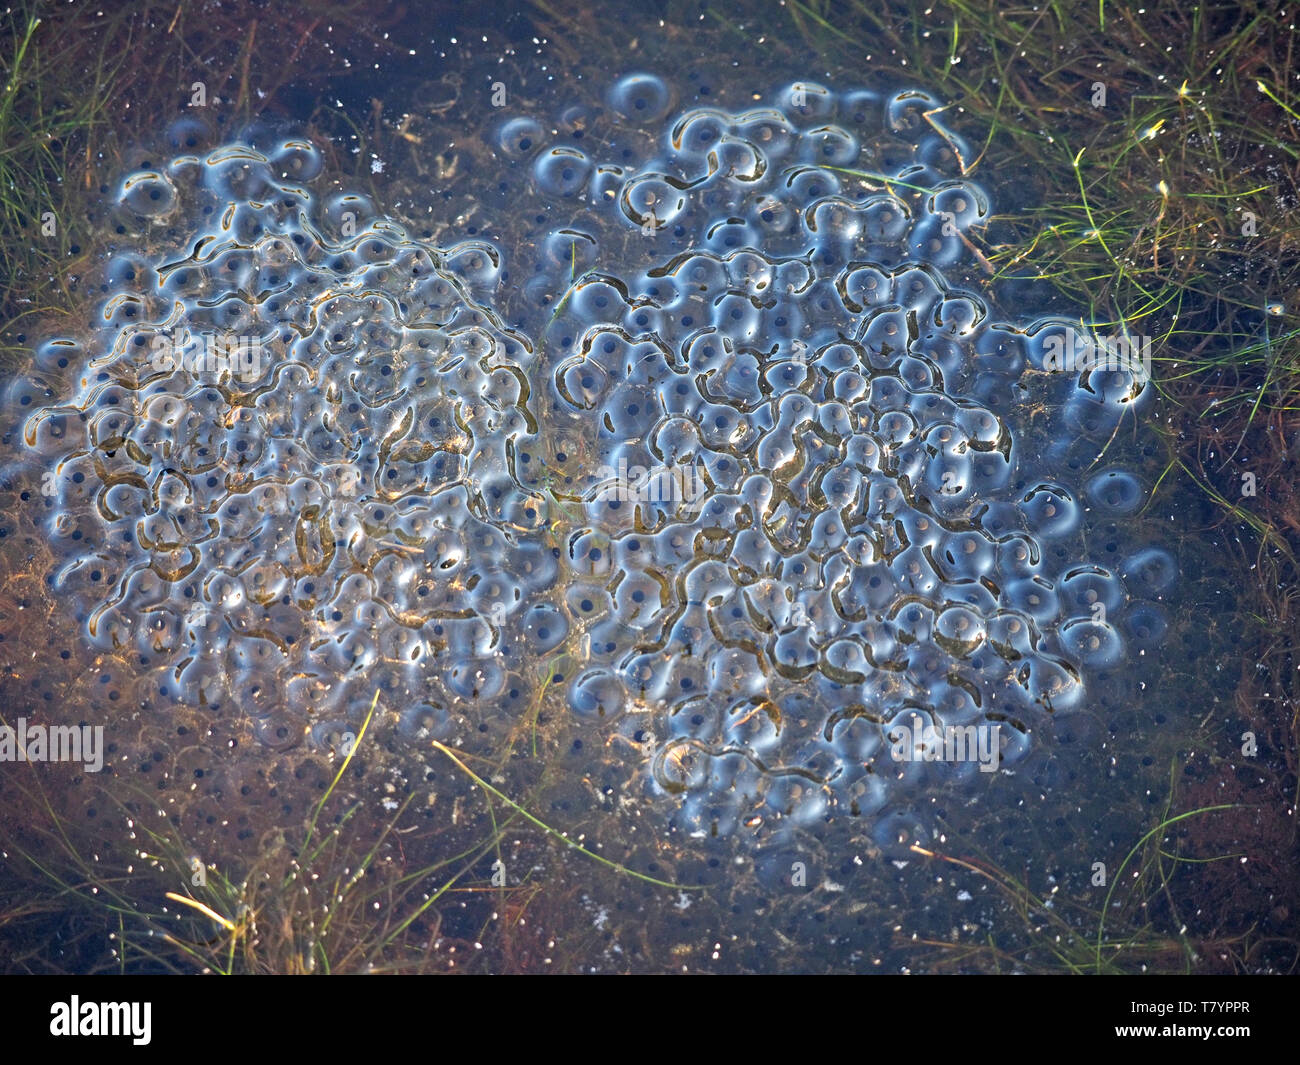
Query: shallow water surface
point(655, 441)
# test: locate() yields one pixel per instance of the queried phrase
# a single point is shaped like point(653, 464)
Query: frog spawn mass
point(821, 554)
point(798, 508)
point(262, 476)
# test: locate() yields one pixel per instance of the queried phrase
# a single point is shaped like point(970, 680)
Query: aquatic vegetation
point(57, 135)
point(1067, 936)
point(339, 898)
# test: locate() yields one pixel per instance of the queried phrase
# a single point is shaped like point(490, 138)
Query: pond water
point(652, 436)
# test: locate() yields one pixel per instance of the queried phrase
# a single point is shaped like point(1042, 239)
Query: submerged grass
point(1128, 938)
point(337, 899)
point(42, 124)
point(82, 87)
point(554, 833)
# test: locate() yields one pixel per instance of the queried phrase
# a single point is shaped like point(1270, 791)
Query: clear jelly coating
point(280, 454)
point(739, 439)
point(815, 494)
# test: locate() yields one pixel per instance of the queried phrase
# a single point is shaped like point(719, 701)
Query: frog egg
point(767, 132)
point(750, 272)
point(729, 235)
point(919, 289)
point(898, 832)
point(967, 552)
point(834, 221)
point(1034, 597)
point(476, 263)
point(1146, 624)
point(937, 241)
point(906, 112)
point(734, 673)
point(1051, 686)
point(426, 721)
point(279, 730)
point(861, 109)
point(943, 153)
point(545, 628)
point(999, 351)
point(793, 654)
point(772, 217)
point(960, 316)
point(148, 194)
point(29, 392)
point(887, 221)
point(960, 631)
point(681, 766)
point(1052, 344)
point(948, 483)
point(806, 99)
point(862, 288)
point(597, 697)
point(986, 429)
point(738, 161)
point(960, 204)
point(776, 865)
point(1012, 634)
point(803, 184)
point(1115, 491)
point(1051, 511)
point(1093, 644)
point(477, 680)
point(297, 160)
point(237, 173)
point(695, 135)
point(347, 213)
point(561, 172)
point(1014, 739)
point(796, 798)
point(830, 146)
point(1081, 590)
point(652, 200)
point(642, 98)
point(1087, 413)
point(519, 137)
point(1150, 572)
point(188, 135)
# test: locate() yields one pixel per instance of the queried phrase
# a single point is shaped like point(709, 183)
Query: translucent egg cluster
point(804, 516)
point(284, 460)
point(823, 546)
